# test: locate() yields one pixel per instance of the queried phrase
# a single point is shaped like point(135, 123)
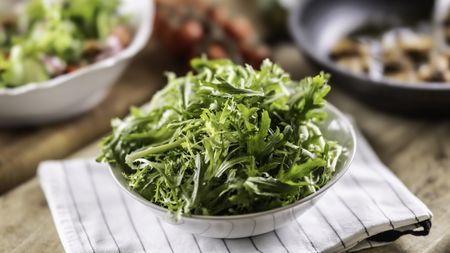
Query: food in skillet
point(226, 139)
point(41, 39)
point(399, 54)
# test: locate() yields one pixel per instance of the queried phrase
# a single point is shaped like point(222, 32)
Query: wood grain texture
point(417, 151)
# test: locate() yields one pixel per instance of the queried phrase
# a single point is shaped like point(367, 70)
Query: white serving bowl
point(335, 127)
point(71, 94)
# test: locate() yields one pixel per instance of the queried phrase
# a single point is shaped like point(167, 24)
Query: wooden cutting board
point(22, 149)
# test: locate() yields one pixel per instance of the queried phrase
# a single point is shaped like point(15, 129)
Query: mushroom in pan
point(437, 70)
point(408, 44)
point(396, 66)
point(415, 46)
point(352, 55)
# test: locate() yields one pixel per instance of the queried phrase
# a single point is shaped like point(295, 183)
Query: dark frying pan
point(317, 24)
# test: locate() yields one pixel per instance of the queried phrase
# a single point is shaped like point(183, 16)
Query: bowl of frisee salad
point(59, 57)
point(228, 151)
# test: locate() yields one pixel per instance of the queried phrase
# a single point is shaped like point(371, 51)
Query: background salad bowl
point(334, 127)
point(76, 92)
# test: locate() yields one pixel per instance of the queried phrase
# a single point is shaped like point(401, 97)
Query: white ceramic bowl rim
point(335, 178)
point(141, 36)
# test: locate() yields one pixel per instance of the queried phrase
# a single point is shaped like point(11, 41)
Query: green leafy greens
point(49, 38)
point(225, 140)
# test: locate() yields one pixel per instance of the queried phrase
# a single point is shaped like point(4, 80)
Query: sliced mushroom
point(346, 48)
point(416, 47)
point(354, 64)
point(397, 66)
point(437, 70)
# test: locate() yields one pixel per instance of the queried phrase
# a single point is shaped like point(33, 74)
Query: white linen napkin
point(367, 207)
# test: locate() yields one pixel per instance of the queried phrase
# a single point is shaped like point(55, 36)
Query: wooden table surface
point(417, 151)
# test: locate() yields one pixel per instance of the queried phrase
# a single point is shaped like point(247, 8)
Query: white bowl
point(335, 127)
point(79, 91)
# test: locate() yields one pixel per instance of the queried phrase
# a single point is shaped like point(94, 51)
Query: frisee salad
point(226, 139)
point(42, 39)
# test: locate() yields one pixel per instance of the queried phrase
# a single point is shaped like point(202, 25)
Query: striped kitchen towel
point(368, 207)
